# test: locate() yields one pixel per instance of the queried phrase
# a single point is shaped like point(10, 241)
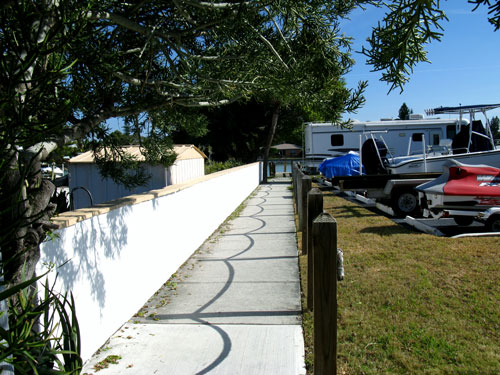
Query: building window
point(337, 140)
point(435, 139)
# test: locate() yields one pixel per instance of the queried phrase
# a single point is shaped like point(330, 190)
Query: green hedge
point(215, 166)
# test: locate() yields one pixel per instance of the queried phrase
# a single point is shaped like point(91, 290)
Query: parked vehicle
point(473, 144)
point(326, 140)
point(464, 192)
point(392, 180)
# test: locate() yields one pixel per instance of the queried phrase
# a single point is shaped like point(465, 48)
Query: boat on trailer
point(328, 140)
point(392, 180)
point(473, 144)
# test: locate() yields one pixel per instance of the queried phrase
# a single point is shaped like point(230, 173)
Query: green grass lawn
point(412, 303)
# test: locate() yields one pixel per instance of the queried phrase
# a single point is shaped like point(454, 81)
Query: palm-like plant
point(43, 335)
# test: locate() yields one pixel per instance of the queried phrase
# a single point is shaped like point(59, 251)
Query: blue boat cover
point(345, 165)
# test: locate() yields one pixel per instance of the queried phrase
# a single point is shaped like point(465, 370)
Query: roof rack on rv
point(471, 110)
point(461, 109)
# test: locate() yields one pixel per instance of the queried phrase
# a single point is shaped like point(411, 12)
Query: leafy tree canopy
point(68, 65)
point(238, 130)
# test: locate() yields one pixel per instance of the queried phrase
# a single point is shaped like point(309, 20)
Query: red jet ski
point(463, 191)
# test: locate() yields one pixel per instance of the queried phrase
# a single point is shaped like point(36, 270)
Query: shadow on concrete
point(226, 349)
point(277, 182)
point(255, 258)
point(200, 314)
point(233, 314)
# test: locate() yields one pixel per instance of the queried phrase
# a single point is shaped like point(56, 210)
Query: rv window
point(451, 131)
point(337, 139)
point(435, 139)
point(416, 137)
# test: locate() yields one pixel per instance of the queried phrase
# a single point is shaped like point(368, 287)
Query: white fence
point(119, 258)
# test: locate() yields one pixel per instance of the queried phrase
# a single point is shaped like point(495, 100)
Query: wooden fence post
point(299, 198)
point(306, 185)
point(295, 171)
point(325, 294)
point(314, 208)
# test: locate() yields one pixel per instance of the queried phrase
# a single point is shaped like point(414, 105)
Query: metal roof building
point(89, 187)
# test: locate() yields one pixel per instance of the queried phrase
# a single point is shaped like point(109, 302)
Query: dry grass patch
point(413, 303)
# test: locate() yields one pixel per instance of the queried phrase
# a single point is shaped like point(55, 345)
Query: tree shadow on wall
point(94, 240)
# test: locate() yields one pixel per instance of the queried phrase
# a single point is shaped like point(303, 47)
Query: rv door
point(435, 138)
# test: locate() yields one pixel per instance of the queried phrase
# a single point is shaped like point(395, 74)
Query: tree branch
point(211, 5)
point(271, 47)
point(125, 22)
point(215, 103)
point(141, 82)
point(278, 29)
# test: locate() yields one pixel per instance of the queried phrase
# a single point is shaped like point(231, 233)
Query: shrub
point(216, 166)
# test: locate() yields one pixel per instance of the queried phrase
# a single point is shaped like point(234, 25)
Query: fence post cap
point(324, 217)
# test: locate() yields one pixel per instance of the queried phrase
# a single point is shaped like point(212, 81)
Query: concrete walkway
point(233, 308)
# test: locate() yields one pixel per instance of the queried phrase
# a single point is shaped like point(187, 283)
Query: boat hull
point(434, 164)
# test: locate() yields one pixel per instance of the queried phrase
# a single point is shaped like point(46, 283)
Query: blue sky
point(464, 67)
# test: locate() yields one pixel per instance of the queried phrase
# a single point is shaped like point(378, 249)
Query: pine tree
point(404, 112)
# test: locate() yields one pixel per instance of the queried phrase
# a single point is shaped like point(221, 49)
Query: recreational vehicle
point(326, 140)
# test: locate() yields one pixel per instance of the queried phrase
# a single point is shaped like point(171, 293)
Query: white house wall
point(117, 260)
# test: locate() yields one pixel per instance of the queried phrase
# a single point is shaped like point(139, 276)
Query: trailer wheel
point(493, 223)
point(405, 202)
point(463, 220)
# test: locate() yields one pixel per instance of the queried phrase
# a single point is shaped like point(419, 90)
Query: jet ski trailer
point(464, 192)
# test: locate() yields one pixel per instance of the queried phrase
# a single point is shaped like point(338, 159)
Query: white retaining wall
point(118, 259)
